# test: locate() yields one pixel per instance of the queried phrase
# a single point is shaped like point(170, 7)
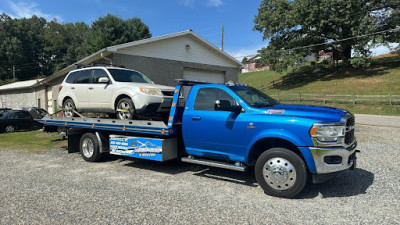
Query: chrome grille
point(350, 137)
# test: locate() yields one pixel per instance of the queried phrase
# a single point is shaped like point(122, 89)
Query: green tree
point(328, 25)
point(112, 30)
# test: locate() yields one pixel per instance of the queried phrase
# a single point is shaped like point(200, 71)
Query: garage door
point(204, 75)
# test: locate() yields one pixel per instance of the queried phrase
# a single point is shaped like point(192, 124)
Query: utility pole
point(222, 37)
point(13, 73)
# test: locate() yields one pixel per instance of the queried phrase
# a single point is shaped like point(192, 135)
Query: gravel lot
point(60, 188)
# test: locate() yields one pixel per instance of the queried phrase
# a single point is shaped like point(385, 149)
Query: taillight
point(59, 88)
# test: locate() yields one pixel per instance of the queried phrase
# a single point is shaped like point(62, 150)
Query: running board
point(207, 162)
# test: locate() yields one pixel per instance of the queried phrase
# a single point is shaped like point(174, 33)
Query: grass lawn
point(381, 78)
point(31, 141)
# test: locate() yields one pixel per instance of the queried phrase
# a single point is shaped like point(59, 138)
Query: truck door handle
point(72, 88)
point(196, 118)
point(90, 88)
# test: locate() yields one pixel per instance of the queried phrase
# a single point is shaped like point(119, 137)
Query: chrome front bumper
point(348, 159)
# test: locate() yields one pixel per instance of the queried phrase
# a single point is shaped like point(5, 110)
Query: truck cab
point(285, 143)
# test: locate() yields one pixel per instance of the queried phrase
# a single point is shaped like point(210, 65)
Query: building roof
point(114, 49)
point(20, 84)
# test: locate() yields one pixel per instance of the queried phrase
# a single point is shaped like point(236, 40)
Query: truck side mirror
point(103, 80)
point(225, 105)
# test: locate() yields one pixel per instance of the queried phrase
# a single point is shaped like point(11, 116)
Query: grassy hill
point(381, 78)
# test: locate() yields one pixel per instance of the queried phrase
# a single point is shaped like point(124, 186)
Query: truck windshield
point(253, 97)
point(129, 76)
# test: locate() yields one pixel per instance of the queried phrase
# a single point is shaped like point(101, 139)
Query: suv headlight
point(151, 91)
point(327, 133)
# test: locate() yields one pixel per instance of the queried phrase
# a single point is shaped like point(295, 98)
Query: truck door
point(211, 132)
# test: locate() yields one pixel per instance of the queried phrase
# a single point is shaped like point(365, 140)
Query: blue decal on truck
point(145, 148)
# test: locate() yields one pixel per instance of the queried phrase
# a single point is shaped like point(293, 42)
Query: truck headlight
point(327, 133)
point(151, 91)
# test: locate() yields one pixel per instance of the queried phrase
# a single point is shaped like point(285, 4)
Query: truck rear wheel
point(281, 172)
point(89, 147)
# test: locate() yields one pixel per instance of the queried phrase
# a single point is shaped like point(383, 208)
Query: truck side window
point(97, 73)
point(206, 98)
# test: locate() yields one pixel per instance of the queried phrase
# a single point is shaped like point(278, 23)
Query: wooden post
point(324, 99)
point(390, 99)
point(354, 99)
point(300, 96)
point(279, 99)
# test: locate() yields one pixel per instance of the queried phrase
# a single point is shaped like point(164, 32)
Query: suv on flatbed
point(120, 92)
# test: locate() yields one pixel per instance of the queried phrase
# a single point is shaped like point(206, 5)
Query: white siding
point(204, 75)
point(175, 49)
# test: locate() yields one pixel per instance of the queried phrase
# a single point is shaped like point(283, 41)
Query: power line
point(340, 40)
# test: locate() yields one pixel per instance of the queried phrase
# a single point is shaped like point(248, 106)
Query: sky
point(204, 17)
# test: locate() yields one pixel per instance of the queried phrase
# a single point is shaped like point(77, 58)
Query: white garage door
point(204, 75)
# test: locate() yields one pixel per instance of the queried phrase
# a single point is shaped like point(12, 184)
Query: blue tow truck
point(231, 126)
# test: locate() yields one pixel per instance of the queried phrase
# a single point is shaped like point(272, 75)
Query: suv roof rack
point(80, 66)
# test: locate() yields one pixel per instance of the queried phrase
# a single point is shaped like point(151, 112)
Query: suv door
point(100, 94)
point(80, 89)
point(211, 132)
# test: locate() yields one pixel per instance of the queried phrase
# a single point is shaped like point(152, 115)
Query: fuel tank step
point(237, 166)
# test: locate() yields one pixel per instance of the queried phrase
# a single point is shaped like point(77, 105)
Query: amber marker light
point(313, 131)
point(170, 118)
point(176, 90)
point(123, 128)
point(162, 131)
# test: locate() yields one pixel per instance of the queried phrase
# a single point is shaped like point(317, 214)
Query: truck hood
point(317, 113)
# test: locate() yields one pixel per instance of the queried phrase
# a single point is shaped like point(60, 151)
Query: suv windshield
point(254, 97)
point(129, 76)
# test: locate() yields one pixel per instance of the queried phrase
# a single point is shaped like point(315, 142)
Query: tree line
point(34, 47)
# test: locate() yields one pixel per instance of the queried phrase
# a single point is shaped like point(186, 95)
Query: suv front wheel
point(125, 109)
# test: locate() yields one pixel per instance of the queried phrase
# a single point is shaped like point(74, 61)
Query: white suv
point(120, 92)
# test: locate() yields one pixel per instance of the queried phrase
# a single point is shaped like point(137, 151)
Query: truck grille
point(349, 137)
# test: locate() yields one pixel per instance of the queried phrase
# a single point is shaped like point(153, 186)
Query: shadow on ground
point(309, 73)
point(344, 184)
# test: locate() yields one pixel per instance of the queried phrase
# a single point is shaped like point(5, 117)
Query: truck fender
point(287, 136)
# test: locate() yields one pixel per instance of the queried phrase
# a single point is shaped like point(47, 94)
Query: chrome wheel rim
point(87, 147)
point(67, 109)
point(279, 173)
point(124, 110)
point(10, 129)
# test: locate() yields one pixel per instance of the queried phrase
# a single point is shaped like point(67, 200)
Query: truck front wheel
point(89, 147)
point(281, 172)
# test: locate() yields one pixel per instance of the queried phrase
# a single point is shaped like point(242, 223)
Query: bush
point(360, 62)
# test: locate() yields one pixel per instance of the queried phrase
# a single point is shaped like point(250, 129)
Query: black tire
point(127, 105)
point(67, 105)
point(89, 147)
point(9, 128)
point(281, 172)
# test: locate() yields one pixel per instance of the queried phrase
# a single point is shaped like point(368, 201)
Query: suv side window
point(206, 98)
point(97, 73)
point(72, 77)
point(83, 77)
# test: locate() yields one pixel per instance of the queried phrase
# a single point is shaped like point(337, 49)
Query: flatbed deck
point(135, 126)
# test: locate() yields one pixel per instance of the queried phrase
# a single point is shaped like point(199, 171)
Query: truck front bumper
point(330, 160)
